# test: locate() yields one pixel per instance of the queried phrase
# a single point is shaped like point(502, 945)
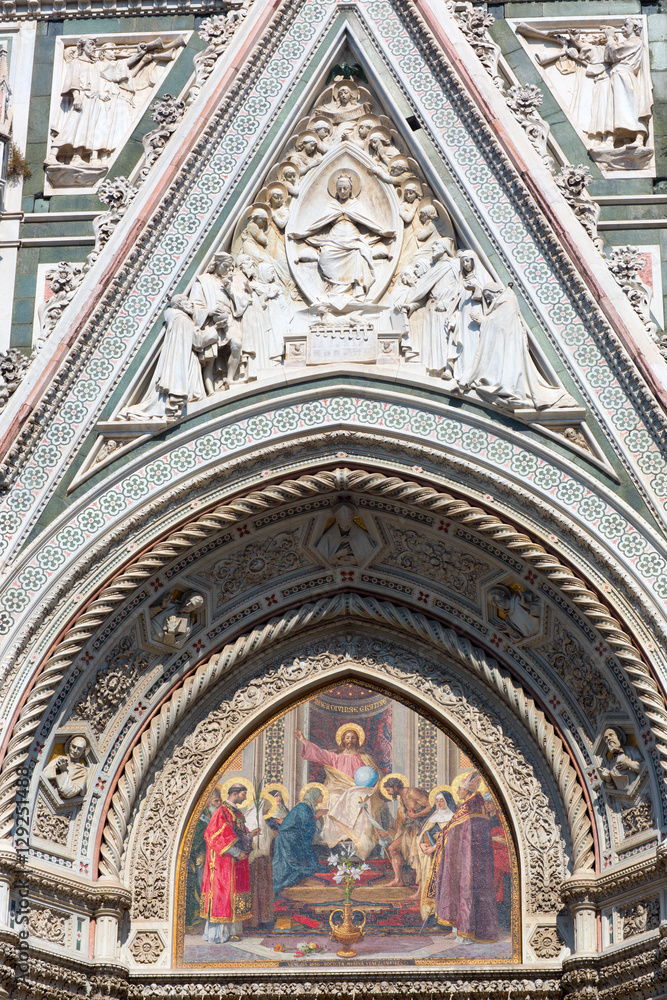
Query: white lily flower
point(356, 874)
point(332, 859)
point(338, 878)
point(365, 868)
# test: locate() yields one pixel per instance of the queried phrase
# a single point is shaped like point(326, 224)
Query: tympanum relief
point(105, 85)
point(599, 72)
point(346, 256)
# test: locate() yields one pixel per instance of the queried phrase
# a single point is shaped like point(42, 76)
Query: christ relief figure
point(345, 237)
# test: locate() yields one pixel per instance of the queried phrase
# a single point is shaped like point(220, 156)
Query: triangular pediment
point(530, 264)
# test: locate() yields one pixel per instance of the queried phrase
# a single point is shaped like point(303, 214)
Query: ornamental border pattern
point(41, 693)
point(156, 823)
point(497, 219)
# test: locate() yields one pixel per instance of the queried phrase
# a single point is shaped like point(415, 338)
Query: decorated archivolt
point(346, 255)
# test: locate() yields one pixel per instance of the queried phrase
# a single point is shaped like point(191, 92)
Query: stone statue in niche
point(173, 619)
point(514, 611)
point(345, 255)
point(602, 76)
point(621, 765)
point(346, 239)
point(345, 540)
point(102, 84)
point(69, 772)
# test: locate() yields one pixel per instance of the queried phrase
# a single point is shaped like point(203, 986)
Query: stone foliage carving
point(69, 772)
point(625, 263)
point(641, 917)
point(546, 942)
point(146, 947)
point(101, 85)
point(218, 32)
point(47, 924)
point(525, 101)
point(475, 23)
point(256, 563)
point(49, 826)
point(602, 77)
point(566, 655)
point(544, 838)
point(111, 686)
point(346, 255)
point(438, 561)
point(638, 818)
point(167, 114)
point(63, 280)
point(13, 367)
point(572, 183)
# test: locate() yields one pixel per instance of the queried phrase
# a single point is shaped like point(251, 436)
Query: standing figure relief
point(346, 256)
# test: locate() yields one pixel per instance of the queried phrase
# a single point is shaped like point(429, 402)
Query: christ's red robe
point(225, 891)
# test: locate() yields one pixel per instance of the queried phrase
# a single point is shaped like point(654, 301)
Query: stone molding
point(164, 724)
point(42, 10)
point(617, 356)
point(378, 484)
point(189, 752)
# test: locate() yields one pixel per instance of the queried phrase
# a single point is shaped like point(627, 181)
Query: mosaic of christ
point(350, 830)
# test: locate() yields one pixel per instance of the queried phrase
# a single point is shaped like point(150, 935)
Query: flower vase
point(347, 932)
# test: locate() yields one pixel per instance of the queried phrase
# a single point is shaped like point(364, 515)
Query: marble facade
point(333, 503)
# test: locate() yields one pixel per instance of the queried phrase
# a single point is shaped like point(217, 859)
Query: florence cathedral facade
point(333, 499)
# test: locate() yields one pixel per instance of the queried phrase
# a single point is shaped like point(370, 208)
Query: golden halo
point(224, 789)
point(275, 786)
point(354, 178)
point(394, 774)
point(458, 781)
point(434, 791)
point(350, 725)
point(314, 784)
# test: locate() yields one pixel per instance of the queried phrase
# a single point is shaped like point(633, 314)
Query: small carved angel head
point(260, 218)
point(345, 95)
point(322, 128)
point(428, 214)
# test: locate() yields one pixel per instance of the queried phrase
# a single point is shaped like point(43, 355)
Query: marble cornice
point(581, 890)
point(84, 10)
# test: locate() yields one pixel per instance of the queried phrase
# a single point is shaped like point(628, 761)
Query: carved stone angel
point(345, 540)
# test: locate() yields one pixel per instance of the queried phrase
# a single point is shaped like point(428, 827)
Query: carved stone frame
point(519, 763)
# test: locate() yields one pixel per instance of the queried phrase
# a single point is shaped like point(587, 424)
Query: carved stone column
point(580, 893)
point(114, 899)
point(9, 866)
